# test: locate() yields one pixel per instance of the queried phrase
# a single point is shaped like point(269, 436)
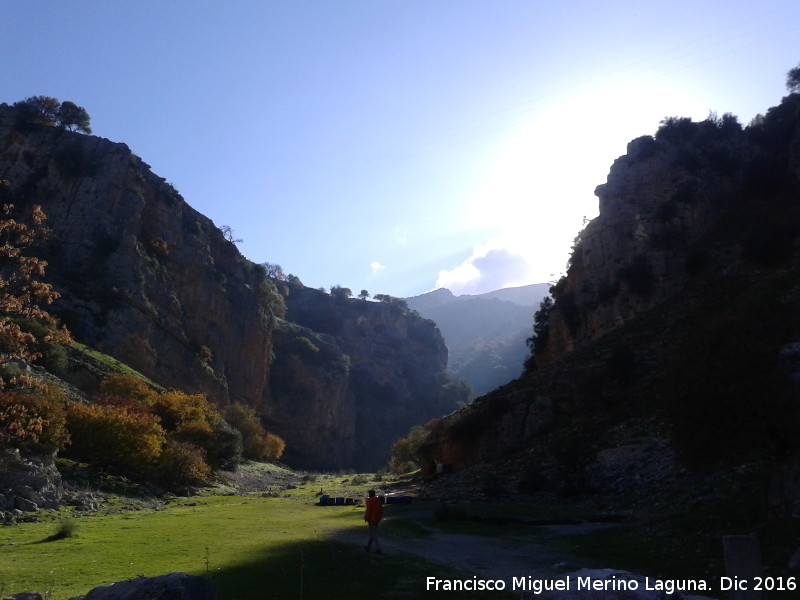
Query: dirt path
point(539, 552)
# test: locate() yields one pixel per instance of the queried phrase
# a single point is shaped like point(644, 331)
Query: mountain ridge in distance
point(485, 333)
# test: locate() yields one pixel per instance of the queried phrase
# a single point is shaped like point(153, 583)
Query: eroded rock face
point(397, 367)
point(153, 283)
point(660, 198)
point(143, 276)
point(310, 403)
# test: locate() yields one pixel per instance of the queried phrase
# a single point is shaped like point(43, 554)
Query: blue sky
point(396, 145)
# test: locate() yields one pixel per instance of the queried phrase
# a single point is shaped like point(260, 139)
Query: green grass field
point(253, 547)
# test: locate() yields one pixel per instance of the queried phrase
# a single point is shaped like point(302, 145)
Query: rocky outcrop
point(29, 481)
point(397, 375)
point(310, 404)
point(660, 209)
point(143, 276)
point(663, 196)
point(152, 283)
point(669, 332)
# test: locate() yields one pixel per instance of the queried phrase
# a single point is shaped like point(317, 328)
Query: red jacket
point(374, 512)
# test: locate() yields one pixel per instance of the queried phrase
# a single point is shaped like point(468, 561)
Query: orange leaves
point(274, 447)
point(177, 408)
point(22, 293)
point(35, 416)
point(130, 387)
point(258, 444)
point(115, 436)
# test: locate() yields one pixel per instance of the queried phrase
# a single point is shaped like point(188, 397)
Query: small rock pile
point(28, 482)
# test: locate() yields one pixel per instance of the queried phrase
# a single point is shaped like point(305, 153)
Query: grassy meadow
point(253, 547)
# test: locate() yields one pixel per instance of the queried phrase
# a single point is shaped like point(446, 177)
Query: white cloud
point(376, 267)
point(490, 267)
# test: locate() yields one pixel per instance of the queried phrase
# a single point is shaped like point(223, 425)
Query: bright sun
point(536, 195)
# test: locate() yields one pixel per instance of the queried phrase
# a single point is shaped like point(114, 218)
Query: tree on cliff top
point(47, 111)
point(793, 80)
point(73, 117)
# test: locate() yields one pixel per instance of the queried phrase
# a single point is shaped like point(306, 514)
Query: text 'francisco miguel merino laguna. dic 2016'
point(538, 586)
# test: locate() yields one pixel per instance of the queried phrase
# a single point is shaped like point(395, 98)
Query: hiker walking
point(373, 515)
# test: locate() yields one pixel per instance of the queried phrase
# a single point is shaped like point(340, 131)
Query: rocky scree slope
point(147, 279)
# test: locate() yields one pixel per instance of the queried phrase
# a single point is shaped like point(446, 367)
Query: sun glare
point(539, 191)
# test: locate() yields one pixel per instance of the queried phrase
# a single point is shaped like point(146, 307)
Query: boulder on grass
point(175, 586)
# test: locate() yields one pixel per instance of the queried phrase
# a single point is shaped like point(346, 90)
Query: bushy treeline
point(171, 438)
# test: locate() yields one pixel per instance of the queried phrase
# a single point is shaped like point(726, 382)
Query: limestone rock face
point(397, 367)
point(143, 276)
point(661, 201)
point(310, 404)
point(153, 283)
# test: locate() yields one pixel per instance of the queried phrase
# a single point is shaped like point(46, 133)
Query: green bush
point(226, 448)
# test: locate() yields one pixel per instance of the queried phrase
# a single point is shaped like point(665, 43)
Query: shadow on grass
point(66, 529)
point(327, 569)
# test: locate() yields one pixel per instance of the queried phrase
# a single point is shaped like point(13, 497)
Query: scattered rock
point(29, 481)
point(25, 505)
point(175, 586)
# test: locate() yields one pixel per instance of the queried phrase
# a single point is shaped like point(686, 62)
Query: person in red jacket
point(373, 515)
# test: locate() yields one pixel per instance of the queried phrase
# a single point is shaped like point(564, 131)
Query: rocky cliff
point(390, 390)
point(150, 281)
point(664, 351)
point(144, 277)
point(659, 208)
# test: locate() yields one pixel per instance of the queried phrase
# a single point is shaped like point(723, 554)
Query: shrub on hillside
point(257, 443)
point(225, 450)
point(121, 385)
point(33, 416)
point(188, 420)
point(176, 409)
point(274, 447)
point(408, 453)
point(114, 436)
point(404, 455)
point(181, 464)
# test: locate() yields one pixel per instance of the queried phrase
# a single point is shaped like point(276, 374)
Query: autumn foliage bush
point(258, 443)
point(121, 385)
point(115, 436)
point(182, 463)
point(35, 415)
